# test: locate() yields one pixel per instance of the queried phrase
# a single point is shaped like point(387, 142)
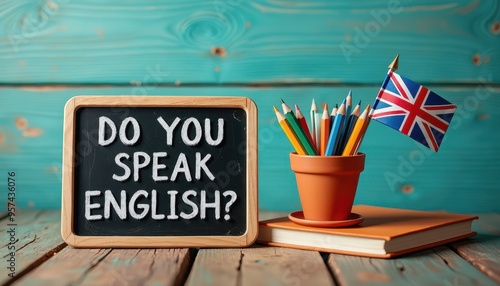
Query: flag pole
point(393, 66)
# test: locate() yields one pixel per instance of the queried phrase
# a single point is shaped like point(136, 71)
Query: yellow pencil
point(325, 131)
point(289, 133)
point(357, 134)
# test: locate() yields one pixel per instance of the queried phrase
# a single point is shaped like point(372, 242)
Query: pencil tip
point(282, 100)
point(349, 94)
point(314, 107)
point(275, 109)
point(359, 103)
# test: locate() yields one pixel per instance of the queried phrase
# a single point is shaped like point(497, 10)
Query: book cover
point(385, 232)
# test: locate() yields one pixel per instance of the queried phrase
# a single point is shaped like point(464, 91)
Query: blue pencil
point(336, 131)
point(350, 122)
point(348, 103)
point(332, 115)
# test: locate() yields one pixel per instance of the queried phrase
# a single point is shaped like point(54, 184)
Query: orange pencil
point(303, 124)
point(354, 141)
point(289, 133)
point(365, 127)
point(325, 130)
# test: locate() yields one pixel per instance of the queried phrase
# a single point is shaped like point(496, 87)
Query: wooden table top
point(42, 258)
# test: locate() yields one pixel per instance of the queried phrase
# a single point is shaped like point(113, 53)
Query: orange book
point(384, 232)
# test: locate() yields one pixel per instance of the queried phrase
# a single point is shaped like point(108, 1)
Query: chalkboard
point(159, 171)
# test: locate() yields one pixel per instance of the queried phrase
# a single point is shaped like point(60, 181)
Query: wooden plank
point(38, 234)
point(112, 267)
point(439, 266)
point(399, 172)
point(216, 267)
point(67, 267)
point(246, 41)
point(258, 266)
point(165, 266)
point(483, 250)
point(282, 266)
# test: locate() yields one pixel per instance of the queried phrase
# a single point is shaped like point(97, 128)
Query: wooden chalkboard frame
point(67, 211)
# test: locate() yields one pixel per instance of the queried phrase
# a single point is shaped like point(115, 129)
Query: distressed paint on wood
point(216, 267)
point(154, 266)
point(483, 251)
point(112, 267)
point(62, 41)
point(277, 266)
point(38, 240)
point(70, 263)
point(259, 266)
point(461, 177)
point(439, 266)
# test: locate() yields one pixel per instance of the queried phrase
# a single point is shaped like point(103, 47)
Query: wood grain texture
point(483, 251)
point(140, 267)
point(216, 267)
point(70, 263)
point(179, 42)
point(439, 266)
point(249, 266)
point(461, 177)
point(112, 267)
point(259, 266)
point(38, 240)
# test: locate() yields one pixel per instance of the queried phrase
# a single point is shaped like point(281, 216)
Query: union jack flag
point(413, 109)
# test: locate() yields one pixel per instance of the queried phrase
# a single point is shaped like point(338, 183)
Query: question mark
point(230, 203)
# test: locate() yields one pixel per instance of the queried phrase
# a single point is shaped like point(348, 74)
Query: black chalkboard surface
point(159, 172)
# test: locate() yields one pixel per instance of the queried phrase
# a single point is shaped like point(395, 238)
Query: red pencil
point(325, 130)
point(303, 123)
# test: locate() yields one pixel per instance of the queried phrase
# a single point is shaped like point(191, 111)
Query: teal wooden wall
point(266, 50)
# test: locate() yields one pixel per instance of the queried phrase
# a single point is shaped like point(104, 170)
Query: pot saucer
point(298, 218)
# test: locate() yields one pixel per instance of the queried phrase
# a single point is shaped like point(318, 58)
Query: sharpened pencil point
point(275, 109)
point(282, 100)
point(313, 105)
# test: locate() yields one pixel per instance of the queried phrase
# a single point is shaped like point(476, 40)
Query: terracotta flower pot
point(327, 184)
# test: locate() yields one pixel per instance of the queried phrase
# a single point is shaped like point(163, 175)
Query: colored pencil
point(289, 132)
point(325, 130)
point(348, 103)
point(314, 110)
point(357, 133)
point(319, 115)
point(301, 135)
point(336, 132)
point(363, 132)
point(332, 115)
point(349, 126)
point(303, 124)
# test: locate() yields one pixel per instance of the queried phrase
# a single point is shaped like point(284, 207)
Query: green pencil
point(301, 135)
